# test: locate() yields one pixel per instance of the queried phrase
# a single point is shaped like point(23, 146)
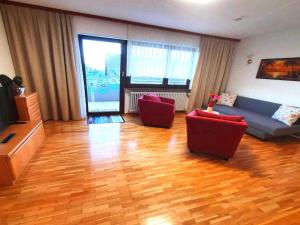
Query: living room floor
point(126, 173)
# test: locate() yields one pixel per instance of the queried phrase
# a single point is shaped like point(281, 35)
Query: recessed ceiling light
point(239, 18)
point(204, 2)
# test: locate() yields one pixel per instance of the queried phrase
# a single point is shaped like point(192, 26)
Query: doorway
point(104, 68)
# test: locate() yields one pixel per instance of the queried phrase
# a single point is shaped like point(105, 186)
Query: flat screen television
point(8, 109)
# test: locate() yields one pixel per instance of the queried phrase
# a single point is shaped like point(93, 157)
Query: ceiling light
point(204, 2)
point(239, 18)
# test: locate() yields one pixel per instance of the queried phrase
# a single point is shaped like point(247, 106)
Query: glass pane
point(147, 63)
point(146, 80)
point(102, 69)
point(180, 66)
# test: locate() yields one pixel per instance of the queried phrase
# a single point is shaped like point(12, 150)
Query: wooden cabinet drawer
point(6, 175)
point(33, 108)
point(32, 100)
point(35, 115)
point(25, 152)
point(34, 112)
point(15, 155)
point(28, 107)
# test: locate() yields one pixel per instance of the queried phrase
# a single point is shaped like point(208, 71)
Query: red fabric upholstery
point(213, 136)
point(155, 113)
point(152, 97)
point(237, 118)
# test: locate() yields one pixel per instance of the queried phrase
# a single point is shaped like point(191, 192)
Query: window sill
point(157, 89)
point(163, 86)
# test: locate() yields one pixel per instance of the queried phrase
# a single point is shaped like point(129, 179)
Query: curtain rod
point(113, 19)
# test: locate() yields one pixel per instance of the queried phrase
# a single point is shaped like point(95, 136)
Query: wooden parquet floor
point(131, 174)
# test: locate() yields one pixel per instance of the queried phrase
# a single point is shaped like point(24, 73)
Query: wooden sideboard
point(28, 107)
point(28, 137)
point(15, 155)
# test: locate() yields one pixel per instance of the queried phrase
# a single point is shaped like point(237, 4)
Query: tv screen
point(8, 110)
point(3, 125)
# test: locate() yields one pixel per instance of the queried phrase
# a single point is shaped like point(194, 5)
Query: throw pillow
point(152, 97)
point(227, 99)
point(287, 114)
point(236, 118)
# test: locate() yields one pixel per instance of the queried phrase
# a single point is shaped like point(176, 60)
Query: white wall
point(6, 65)
point(243, 76)
point(101, 28)
point(104, 28)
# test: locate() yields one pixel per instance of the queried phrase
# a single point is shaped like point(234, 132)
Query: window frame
point(164, 85)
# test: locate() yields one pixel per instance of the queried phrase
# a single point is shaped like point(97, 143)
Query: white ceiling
point(215, 18)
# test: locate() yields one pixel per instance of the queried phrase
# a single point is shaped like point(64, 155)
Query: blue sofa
point(258, 115)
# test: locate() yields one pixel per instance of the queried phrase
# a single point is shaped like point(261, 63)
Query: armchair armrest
point(159, 108)
point(167, 100)
point(193, 116)
point(220, 123)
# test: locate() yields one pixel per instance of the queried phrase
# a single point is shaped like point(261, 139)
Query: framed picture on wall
point(279, 69)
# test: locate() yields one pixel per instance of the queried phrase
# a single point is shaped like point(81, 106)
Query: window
point(150, 63)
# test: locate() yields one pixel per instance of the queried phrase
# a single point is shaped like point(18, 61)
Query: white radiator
point(180, 98)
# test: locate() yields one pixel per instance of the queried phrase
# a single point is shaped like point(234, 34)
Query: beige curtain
point(42, 48)
point(212, 70)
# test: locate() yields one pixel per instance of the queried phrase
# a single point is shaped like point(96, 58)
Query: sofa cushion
point(227, 99)
point(152, 97)
point(257, 106)
point(287, 114)
point(227, 110)
point(236, 118)
point(258, 121)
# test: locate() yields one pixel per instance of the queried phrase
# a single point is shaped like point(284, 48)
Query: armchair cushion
point(167, 100)
point(237, 118)
point(152, 97)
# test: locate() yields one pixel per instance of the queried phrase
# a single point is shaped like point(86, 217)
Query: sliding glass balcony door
point(104, 69)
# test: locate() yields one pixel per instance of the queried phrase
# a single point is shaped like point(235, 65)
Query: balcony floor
point(105, 106)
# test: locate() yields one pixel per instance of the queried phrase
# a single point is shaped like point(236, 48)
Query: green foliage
point(112, 64)
point(92, 73)
point(18, 81)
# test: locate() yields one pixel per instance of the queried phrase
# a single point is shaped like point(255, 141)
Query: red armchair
point(156, 111)
point(215, 135)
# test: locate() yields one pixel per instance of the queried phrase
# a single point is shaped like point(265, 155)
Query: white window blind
point(149, 63)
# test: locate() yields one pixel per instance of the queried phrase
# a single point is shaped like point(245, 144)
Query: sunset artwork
point(280, 69)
